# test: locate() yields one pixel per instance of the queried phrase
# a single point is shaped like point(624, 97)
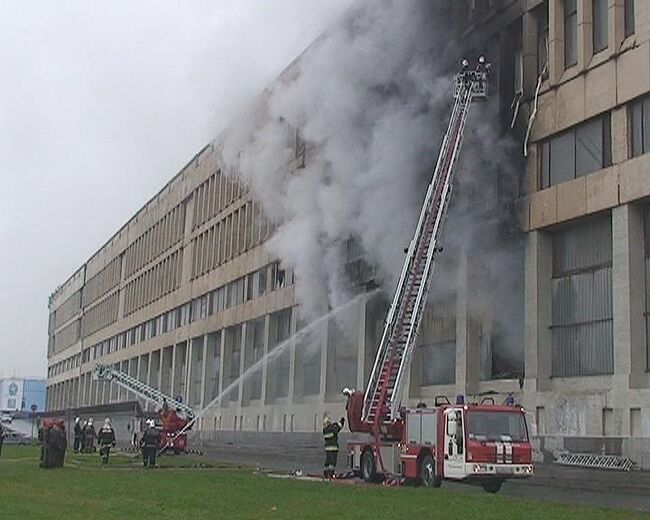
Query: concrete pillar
point(222, 364)
point(292, 355)
point(529, 43)
point(242, 363)
point(265, 366)
point(204, 376)
point(585, 33)
point(628, 295)
point(362, 377)
point(172, 384)
point(555, 40)
point(467, 352)
point(537, 314)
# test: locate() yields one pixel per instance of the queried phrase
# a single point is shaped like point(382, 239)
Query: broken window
point(581, 317)
point(629, 18)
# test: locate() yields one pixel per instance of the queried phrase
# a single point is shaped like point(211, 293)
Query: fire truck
point(174, 417)
point(484, 443)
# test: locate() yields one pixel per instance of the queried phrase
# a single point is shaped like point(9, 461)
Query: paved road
point(552, 483)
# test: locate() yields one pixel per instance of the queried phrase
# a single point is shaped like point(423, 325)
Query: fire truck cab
point(481, 443)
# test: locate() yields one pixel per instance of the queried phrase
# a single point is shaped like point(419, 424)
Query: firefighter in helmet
point(106, 440)
point(331, 437)
point(150, 444)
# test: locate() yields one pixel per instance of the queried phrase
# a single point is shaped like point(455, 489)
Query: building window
point(639, 127)
point(542, 37)
point(256, 284)
point(629, 18)
point(600, 31)
point(581, 316)
point(576, 152)
point(570, 33)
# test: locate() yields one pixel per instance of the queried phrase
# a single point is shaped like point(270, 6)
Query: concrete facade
point(186, 298)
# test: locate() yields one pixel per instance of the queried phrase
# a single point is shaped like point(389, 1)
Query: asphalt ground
point(554, 483)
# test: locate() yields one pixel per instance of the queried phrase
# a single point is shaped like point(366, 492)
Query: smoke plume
point(371, 99)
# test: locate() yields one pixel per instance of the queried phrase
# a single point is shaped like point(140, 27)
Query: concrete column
point(242, 362)
point(555, 40)
point(204, 371)
point(585, 33)
point(189, 356)
point(172, 376)
point(467, 353)
point(361, 342)
point(529, 43)
point(265, 365)
point(628, 298)
point(537, 314)
point(616, 21)
point(292, 355)
point(222, 363)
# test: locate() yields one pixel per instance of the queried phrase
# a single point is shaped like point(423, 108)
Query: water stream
point(279, 349)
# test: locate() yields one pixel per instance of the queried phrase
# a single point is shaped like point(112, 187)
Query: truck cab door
point(454, 445)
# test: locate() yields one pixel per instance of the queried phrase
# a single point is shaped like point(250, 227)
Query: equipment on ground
point(465, 441)
point(174, 415)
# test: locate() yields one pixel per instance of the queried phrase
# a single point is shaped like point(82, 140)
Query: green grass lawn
point(181, 490)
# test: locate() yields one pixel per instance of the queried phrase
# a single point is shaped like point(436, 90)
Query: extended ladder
point(142, 390)
point(383, 394)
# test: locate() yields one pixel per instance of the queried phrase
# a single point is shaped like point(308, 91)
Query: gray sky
point(100, 104)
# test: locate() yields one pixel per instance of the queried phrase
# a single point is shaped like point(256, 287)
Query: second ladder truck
point(484, 443)
point(174, 415)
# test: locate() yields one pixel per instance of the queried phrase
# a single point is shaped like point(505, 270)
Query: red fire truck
point(480, 442)
point(483, 443)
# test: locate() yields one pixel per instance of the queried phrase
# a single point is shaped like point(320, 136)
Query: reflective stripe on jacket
point(331, 436)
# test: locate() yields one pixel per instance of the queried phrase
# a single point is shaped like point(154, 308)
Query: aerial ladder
point(377, 411)
point(173, 425)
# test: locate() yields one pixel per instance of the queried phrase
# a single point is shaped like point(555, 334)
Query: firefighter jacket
point(331, 436)
point(78, 432)
point(106, 436)
point(150, 438)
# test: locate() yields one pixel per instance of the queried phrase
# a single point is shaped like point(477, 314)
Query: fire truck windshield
point(496, 426)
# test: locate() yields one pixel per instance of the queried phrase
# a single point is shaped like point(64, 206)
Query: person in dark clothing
point(2, 438)
point(58, 445)
point(331, 436)
point(78, 435)
point(150, 444)
point(106, 440)
point(44, 439)
point(89, 437)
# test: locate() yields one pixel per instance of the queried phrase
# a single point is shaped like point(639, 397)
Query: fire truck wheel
point(428, 476)
point(368, 469)
point(492, 486)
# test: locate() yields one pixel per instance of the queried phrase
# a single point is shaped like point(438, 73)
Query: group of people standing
point(85, 436)
point(54, 443)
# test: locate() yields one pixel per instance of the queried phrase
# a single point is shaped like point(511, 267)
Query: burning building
point(307, 202)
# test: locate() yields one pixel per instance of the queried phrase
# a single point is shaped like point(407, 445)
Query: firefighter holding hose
point(331, 437)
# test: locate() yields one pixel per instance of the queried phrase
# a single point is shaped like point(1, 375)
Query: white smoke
point(370, 98)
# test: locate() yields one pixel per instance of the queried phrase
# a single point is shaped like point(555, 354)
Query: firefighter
point(78, 435)
point(464, 72)
point(150, 444)
point(106, 440)
point(2, 438)
point(89, 437)
point(44, 439)
point(331, 437)
point(58, 444)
